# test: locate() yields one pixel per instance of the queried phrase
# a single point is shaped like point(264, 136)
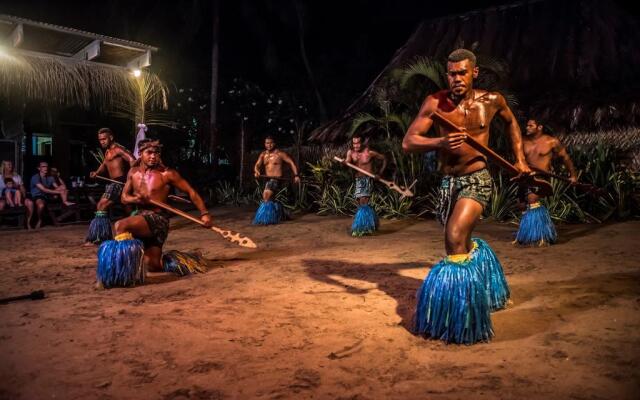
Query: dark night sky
point(348, 42)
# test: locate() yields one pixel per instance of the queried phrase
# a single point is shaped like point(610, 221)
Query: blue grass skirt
point(120, 262)
point(489, 266)
point(100, 228)
point(183, 264)
point(269, 213)
point(536, 227)
point(365, 221)
point(453, 305)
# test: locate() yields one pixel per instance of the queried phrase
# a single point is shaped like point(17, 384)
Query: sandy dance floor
point(314, 313)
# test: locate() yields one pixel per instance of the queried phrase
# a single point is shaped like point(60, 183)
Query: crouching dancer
point(139, 238)
point(456, 298)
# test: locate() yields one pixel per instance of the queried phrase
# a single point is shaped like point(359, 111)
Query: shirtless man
point(456, 298)
point(363, 157)
point(272, 159)
point(540, 150)
point(467, 179)
point(116, 161)
point(536, 226)
point(150, 179)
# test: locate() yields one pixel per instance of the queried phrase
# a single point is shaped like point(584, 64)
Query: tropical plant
point(389, 204)
point(228, 193)
point(336, 200)
point(502, 205)
point(562, 204)
point(381, 119)
point(98, 154)
point(146, 101)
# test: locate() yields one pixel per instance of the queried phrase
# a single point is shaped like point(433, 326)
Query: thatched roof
point(573, 63)
point(57, 66)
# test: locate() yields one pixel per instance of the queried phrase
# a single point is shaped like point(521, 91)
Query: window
point(42, 144)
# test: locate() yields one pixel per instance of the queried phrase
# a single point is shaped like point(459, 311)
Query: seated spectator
point(11, 194)
point(45, 189)
point(8, 172)
point(55, 174)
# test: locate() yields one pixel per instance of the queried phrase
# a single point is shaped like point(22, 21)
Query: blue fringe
point(365, 222)
point(269, 212)
point(453, 305)
point(99, 229)
point(536, 228)
point(495, 282)
point(120, 263)
point(183, 264)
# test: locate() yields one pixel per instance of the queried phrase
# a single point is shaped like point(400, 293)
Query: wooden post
point(242, 152)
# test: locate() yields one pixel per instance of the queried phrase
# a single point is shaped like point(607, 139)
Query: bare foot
point(88, 244)
point(38, 224)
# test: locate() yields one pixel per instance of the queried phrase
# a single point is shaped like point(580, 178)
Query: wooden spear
point(405, 192)
point(236, 238)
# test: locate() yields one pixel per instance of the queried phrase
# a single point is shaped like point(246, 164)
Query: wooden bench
point(59, 213)
point(17, 214)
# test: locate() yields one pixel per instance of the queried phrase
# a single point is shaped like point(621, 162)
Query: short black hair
point(105, 131)
point(8, 180)
point(462, 54)
point(149, 142)
point(269, 137)
point(545, 128)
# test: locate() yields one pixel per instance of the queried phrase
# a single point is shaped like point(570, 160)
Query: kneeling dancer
point(270, 211)
point(458, 294)
point(139, 238)
point(365, 221)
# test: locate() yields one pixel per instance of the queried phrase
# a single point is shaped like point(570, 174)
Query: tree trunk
point(307, 66)
point(242, 152)
point(215, 59)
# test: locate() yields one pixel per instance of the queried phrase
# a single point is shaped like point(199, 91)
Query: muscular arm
point(286, 158)
point(179, 182)
point(561, 152)
point(256, 168)
point(126, 155)
point(414, 140)
point(380, 157)
point(128, 197)
point(514, 133)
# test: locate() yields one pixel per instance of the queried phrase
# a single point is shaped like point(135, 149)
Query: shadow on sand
point(536, 307)
point(385, 276)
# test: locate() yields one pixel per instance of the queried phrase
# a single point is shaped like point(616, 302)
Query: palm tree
point(215, 60)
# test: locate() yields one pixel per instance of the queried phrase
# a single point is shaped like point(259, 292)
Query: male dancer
point(120, 261)
point(365, 222)
point(540, 150)
point(116, 161)
point(456, 298)
point(270, 212)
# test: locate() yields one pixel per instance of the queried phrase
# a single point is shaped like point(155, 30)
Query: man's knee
point(122, 226)
point(153, 258)
point(103, 204)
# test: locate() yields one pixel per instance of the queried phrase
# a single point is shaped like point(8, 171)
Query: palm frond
point(423, 67)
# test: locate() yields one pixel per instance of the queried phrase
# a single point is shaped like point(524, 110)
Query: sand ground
point(314, 313)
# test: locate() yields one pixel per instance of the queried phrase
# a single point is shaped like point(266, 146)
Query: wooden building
point(58, 86)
